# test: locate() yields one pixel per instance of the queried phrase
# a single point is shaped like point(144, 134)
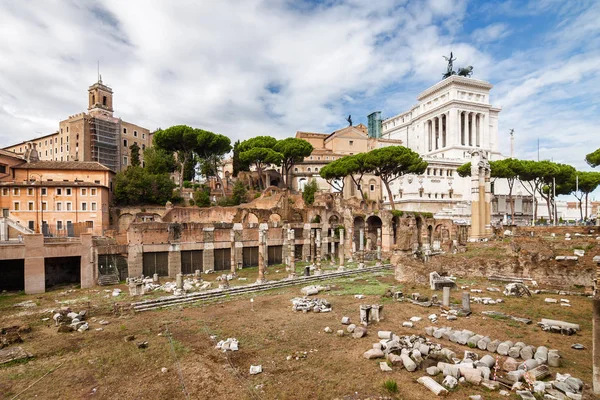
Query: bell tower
point(100, 98)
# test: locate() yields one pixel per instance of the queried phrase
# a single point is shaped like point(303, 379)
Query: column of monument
point(318, 251)
point(378, 244)
point(361, 248)
point(292, 253)
point(232, 251)
point(341, 250)
point(261, 256)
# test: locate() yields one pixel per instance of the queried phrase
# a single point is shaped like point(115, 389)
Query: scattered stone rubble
point(314, 289)
point(12, 334)
point(14, 353)
point(555, 326)
point(69, 321)
point(541, 355)
point(231, 344)
point(306, 304)
point(516, 289)
point(525, 321)
point(138, 286)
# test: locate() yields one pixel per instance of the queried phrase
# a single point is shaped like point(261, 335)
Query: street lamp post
point(39, 201)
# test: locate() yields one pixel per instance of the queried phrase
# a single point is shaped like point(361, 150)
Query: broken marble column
point(312, 246)
point(179, 281)
point(318, 251)
point(376, 312)
point(378, 244)
point(261, 256)
point(466, 302)
point(365, 314)
point(432, 385)
point(291, 253)
point(155, 278)
point(341, 250)
point(351, 234)
point(446, 296)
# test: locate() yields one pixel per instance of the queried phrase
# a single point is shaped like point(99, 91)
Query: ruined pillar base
point(318, 272)
point(350, 260)
point(261, 281)
point(341, 268)
point(293, 275)
point(361, 265)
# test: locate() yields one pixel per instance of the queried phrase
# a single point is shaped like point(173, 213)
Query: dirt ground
point(101, 364)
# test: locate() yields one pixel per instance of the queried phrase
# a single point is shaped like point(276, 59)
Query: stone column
point(208, 252)
point(361, 247)
point(34, 268)
point(341, 250)
point(291, 253)
point(466, 302)
point(89, 262)
point(174, 259)
point(232, 267)
point(487, 221)
point(312, 246)
point(261, 256)
point(135, 260)
point(306, 242)
point(239, 244)
point(471, 126)
point(379, 244)
point(318, 251)
point(446, 296)
point(352, 245)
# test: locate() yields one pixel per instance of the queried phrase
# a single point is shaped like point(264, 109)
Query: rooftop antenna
point(512, 143)
point(99, 76)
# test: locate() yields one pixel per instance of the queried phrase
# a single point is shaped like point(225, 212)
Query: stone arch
point(359, 223)
point(437, 233)
point(124, 221)
point(301, 183)
point(373, 223)
point(334, 220)
point(251, 218)
point(275, 218)
point(297, 217)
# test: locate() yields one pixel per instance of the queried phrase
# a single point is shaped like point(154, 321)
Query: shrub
point(192, 202)
point(397, 213)
point(202, 197)
point(187, 184)
point(309, 192)
point(239, 193)
point(176, 199)
point(391, 386)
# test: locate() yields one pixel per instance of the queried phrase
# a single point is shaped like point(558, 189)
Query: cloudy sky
point(273, 67)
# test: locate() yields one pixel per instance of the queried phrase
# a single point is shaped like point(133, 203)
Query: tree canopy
point(136, 186)
point(159, 161)
point(335, 172)
point(389, 163)
point(292, 150)
point(258, 151)
point(593, 159)
point(135, 154)
point(179, 139)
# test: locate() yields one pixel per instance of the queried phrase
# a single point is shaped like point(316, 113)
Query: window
point(67, 191)
point(372, 187)
point(29, 191)
point(16, 191)
point(31, 225)
point(58, 206)
point(308, 169)
point(94, 206)
point(316, 169)
point(69, 206)
point(125, 142)
point(89, 224)
point(103, 100)
point(59, 225)
point(69, 223)
point(2, 169)
point(92, 191)
point(125, 159)
point(4, 191)
point(125, 131)
point(295, 169)
point(83, 191)
point(59, 191)
point(30, 206)
point(134, 133)
point(143, 136)
point(45, 142)
point(98, 182)
point(16, 206)
point(83, 206)
point(351, 142)
point(44, 206)
point(44, 191)
point(143, 146)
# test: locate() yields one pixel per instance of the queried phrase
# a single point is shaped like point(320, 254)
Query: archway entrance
point(359, 223)
point(373, 223)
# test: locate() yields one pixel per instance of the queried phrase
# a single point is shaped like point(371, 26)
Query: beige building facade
point(96, 135)
point(52, 197)
point(329, 147)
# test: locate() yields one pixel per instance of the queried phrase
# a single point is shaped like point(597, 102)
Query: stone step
point(106, 280)
point(170, 301)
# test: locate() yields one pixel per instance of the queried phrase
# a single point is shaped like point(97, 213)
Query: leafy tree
point(593, 159)
point(211, 149)
point(389, 163)
point(533, 175)
point(202, 197)
point(581, 184)
point(236, 163)
point(239, 193)
point(293, 150)
point(560, 174)
point(179, 139)
point(334, 173)
point(309, 192)
point(464, 170)
point(258, 151)
point(356, 167)
point(134, 155)
point(136, 186)
point(158, 161)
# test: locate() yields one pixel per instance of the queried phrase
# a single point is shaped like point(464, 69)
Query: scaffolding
point(104, 142)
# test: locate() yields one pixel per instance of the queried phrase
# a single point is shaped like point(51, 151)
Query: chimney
point(31, 154)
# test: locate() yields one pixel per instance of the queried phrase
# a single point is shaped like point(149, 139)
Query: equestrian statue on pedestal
point(466, 71)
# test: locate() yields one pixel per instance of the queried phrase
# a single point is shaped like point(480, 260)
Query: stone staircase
point(107, 280)
point(6, 223)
